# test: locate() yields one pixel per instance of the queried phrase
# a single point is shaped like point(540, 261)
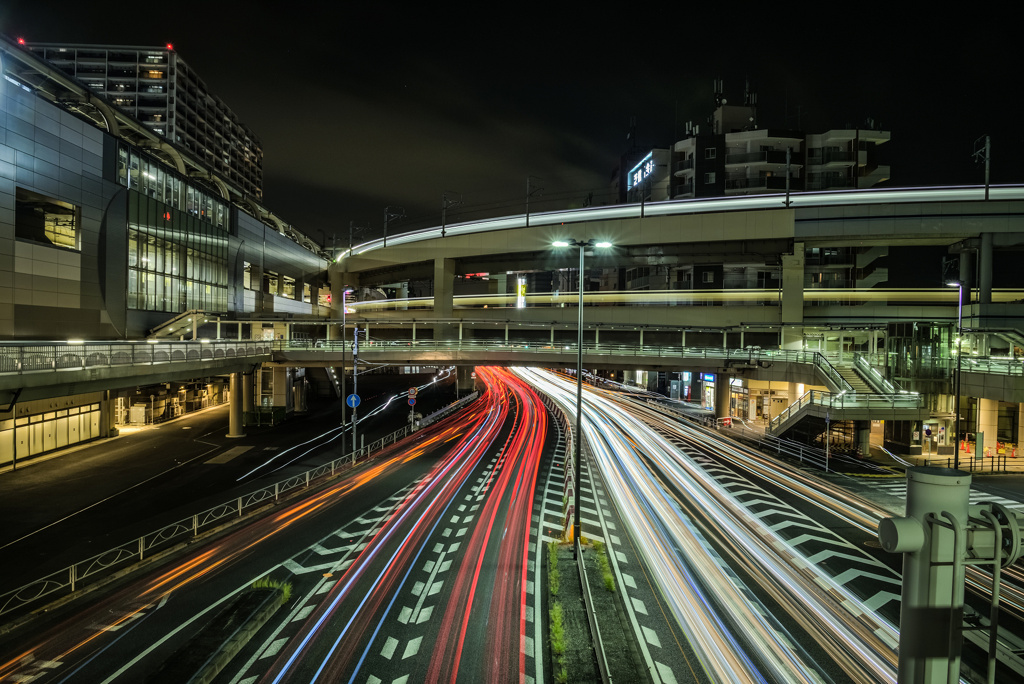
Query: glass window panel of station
point(133, 248)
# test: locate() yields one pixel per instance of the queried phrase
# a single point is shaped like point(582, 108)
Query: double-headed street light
point(956, 378)
point(582, 244)
point(344, 353)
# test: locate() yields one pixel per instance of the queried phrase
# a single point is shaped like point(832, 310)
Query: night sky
point(368, 105)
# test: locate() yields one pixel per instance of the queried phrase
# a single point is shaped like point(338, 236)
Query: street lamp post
point(355, 386)
point(956, 378)
point(344, 355)
point(577, 469)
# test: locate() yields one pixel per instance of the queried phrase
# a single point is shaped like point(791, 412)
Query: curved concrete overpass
point(730, 242)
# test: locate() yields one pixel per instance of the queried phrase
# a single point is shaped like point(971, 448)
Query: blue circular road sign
point(412, 402)
point(353, 400)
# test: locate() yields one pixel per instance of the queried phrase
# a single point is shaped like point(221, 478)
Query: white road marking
point(274, 648)
point(412, 648)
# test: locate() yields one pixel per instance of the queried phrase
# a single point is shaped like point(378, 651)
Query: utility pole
point(445, 205)
point(391, 213)
point(983, 153)
point(529, 193)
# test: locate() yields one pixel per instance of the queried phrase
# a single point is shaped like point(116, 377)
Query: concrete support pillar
point(414, 331)
point(967, 274)
point(239, 331)
point(641, 338)
point(1020, 430)
point(988, 421)
point(552, 334)
point(985, 269)
point(862, 434)
point(792, 308)
point(108, 415)
point(682, 341)
point(723, 393)
point(460, 331)
point(725, 339)
point(464, 379)
point(444, 284)
point(248, 394)
point(235, 408)
point(792, 337)
point(931, 614)
point(597, 336)
point(299, 394)
point(506, 333)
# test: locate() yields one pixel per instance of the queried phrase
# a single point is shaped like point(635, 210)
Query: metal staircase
point(859, 393)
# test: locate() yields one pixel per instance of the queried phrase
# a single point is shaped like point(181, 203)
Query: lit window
point(45, 220)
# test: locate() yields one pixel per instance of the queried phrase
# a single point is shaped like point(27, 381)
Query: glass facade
point(177, 239)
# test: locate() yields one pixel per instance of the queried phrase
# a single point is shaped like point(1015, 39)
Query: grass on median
point(267, 583)
point(606, 571)
point(556, 629)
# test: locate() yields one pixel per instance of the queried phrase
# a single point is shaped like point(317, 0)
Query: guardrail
point(748, 356)
point(1007, 366)
point(70, 579)
point(35, 357)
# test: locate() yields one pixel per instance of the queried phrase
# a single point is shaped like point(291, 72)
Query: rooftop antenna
point(719, 89)
point(750, 100)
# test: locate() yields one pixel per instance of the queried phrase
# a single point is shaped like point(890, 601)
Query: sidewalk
point(1004, 462)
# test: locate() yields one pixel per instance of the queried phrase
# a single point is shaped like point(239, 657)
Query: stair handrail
point(831, 372)
point(872, 377)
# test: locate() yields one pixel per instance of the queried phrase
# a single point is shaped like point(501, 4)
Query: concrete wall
point(49, 292)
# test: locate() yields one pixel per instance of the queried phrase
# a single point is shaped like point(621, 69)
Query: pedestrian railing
point(72, 578)
point(830, 401)
point(20, 358)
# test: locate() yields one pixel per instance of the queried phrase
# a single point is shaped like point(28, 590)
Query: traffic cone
point(967, 446)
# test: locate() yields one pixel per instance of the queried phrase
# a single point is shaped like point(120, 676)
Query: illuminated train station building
point(135, 273)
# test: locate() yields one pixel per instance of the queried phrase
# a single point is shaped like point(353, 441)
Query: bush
point(553, 578)
point(606, 570)
point(267, 583)
point(557, 633)
point(557, 630)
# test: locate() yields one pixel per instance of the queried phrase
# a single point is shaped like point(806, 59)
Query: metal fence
point(70, 579)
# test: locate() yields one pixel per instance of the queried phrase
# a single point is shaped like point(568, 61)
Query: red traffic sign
point(412, 402)
point(412, 391)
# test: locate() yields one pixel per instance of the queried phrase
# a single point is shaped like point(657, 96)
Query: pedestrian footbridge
point(32, 370)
